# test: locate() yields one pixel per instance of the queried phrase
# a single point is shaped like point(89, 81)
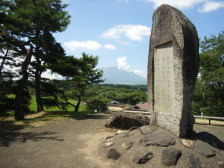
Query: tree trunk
point(3, 61)
point(22, 83)
point(38, 72)
point(78, 104)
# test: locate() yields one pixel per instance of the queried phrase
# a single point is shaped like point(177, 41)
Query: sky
point(118, 31)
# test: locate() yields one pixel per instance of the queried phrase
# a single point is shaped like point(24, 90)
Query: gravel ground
point(62, 143)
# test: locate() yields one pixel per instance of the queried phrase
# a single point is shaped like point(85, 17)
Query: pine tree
point(24, 25)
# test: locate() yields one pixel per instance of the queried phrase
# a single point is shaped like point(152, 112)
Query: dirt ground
point(63, 143)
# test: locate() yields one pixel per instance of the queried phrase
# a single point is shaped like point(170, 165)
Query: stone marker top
point(172, 70)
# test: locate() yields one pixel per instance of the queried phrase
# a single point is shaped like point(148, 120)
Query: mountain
point(113, 75)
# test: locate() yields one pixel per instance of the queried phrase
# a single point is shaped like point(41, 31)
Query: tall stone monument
point(173, 65)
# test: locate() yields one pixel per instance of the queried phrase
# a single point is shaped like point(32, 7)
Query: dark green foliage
point(130, 94)
point(209, 92)
point(82, 73)
point(26, 29)
point(96, 105)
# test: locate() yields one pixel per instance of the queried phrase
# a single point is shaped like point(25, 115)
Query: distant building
point(142, 106)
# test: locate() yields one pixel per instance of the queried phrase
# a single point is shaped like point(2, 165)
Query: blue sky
point(118, 30)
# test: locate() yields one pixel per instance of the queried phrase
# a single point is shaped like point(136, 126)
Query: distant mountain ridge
point(113, 75)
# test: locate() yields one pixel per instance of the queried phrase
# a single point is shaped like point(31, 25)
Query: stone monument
point(173, 65)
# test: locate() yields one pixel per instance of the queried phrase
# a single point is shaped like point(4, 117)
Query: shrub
point(96, 104)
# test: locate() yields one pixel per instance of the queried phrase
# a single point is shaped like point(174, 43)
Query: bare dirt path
point(66, 143)
point(62, 143)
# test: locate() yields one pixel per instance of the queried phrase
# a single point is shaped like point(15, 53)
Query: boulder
point(193, 161)
point(110, 143)
point(170, 156)
point(205, 149)
point(147, 129)
point(157, 138)
point(127, 145)
point(113, 154)
point(143, 158)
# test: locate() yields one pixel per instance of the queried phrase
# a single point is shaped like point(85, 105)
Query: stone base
point(169, 122)
point(181, 128)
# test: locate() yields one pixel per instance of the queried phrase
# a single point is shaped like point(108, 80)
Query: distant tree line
point(129, 94)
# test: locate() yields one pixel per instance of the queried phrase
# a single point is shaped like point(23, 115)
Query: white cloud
point(182, 4)
point(211, 6)
point(48, 74)
point(123, 65)
point(84, 45)
point(87, 45)
point(110, 46)
point(132, 32)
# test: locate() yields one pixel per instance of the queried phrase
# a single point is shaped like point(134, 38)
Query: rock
point(132, 128)
point(119, 131)
point(158, 138)
point(126, 121)
point(113, 154)
point(124, 135)
point(143, 158)
point(220, 164)
point(108, 144)
point(193, 161)
point(110, 139)
point(170, 156)
point(127, 145)
point(188, 143)
point(147, 129)
point(173, 65)
point(205, 149)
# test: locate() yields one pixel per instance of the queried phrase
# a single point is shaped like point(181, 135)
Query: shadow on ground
point(77, 115)
point(12, 133)
point(210, 139)
point(93, 116)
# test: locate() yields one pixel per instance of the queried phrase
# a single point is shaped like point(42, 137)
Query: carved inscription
point(164, 79)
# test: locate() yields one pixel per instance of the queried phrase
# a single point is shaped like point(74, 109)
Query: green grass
point(54, 111)
point(33, 106)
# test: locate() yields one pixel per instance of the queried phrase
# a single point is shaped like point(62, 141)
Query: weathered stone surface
point(110, 143)
point(188, 143)
point(127, 145)
point(172, 70)
point(124, 135)
point(220, 164)
point(170, 156)
point(143, 158)
point(147, 129)
point(113, 154)
point(133, 128)
point(205, 149)
point(193, 161)
point(126, 121)
point(158, 138)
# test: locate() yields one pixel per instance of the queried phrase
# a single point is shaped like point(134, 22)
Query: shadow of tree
point(12, 133)
point(93, 116)
point(210, 139)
